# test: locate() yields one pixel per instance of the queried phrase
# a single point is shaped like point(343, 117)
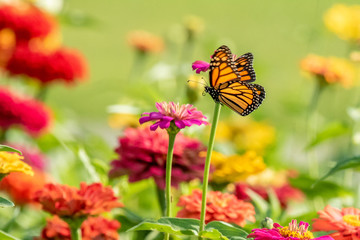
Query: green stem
point(161, 198)
point(207, 166)
point(42, 92)
point(75, 233)
point(169, 158)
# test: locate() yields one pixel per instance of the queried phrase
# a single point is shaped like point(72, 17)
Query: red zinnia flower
point(63, 64)
point(26, 21)
point(345, 222)
point(21, 187)
point(66, 201)
point(219, 207)
point(143, 155)
point(31, 115)
point(93, 228)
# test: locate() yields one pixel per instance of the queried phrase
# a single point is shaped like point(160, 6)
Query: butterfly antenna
point(197, 82)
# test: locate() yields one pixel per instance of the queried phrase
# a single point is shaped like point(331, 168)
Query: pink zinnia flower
point(31, 115)
point(200, 66)
point(345, 222)
point(219, 207)
point(292, 232)
point(182, 115)
point(142, 155)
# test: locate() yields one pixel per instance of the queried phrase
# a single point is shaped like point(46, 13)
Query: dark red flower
point(142, 155)
point(93, 228)
point(284, 193)
point(65, 65)
point(26, 21)
point(29, 114)
point(66, 201)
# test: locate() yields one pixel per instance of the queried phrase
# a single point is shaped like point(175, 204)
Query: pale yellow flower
point(269, 177)
point(332, 69)
point(344, 21)
point(246, 134)
point(11, 162)
point(228, 169)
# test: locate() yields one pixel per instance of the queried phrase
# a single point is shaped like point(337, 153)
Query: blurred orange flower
point(21, 187)
point(331, 69)
point(145, 42)
point(93, 228)
point(219, 207)
point(345, 222)
point(66, 201)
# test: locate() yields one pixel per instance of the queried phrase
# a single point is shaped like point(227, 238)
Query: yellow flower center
point(286, 232)
point(353, 220)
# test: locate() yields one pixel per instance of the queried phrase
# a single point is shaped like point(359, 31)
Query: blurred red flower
point(26, 21)
point(31, 115)
point(142, 154)
point(219, 207)
point(284, 193)
point(21, 187)
point(93, 228)
point(66, 201)
point(66, 65)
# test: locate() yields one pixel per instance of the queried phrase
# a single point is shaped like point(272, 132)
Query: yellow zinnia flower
point(235, 168)
point(246, 134)
point(11, 162)
point(344, 21)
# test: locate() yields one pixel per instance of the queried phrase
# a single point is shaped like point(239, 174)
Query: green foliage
point(5, 236)
point(331, 131)
point(5, 148)
point(4, 203)
point(353, 162)
point(190, 227)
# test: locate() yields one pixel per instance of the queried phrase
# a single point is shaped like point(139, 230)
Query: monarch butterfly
point(230, 82)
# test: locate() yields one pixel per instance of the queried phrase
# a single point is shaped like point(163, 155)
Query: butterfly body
point(230, 82)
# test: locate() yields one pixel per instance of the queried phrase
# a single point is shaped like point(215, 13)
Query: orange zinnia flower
point(98, 228)
point(21, 187)
point(345, 222)
point(145, 42)
point(219, 207)
point(66, 201)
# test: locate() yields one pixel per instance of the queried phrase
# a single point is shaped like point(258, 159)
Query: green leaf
point(85, 159)
point(223, 230)
point(177, 226)
point(275, 206)
point(331, 131)
point(4, 148)
point(5, 236)
point(260, 203)
point(325, 189)
point(353, 162)
point(4, 203)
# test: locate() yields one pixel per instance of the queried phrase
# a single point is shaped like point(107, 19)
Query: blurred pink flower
point(292, 232)
point(183, 116)
point(200, 66)
point(142, 155)
point(32, 156)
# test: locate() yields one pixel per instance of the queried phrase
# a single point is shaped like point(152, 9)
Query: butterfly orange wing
point(244, 65)
point(241, 97)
